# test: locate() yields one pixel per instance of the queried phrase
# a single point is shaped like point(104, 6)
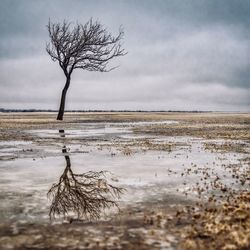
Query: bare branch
point(87, 46)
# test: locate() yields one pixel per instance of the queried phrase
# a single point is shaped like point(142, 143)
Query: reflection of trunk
point(61, 133)
point(64, 150)
point(63, 99)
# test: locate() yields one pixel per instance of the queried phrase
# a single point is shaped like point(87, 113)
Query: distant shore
point(4, 110)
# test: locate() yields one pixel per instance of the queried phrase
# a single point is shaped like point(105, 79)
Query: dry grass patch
point(227, 147)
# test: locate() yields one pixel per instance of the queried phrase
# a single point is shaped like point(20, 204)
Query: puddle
point(141, 123)
point(97, 130)
point(86, 133)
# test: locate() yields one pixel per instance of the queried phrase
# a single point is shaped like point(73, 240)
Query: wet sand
point(171, 168)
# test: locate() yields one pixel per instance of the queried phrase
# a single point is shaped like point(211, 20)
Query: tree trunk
point(63, 98)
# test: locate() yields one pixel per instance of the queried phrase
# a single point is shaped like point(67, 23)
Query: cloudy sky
point(182, 55)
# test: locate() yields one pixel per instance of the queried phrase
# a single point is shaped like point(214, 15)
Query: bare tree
point(85, 195)
point(89, 47)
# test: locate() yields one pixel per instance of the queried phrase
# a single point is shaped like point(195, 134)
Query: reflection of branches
point(83, 194)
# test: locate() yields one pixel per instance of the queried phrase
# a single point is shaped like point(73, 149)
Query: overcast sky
point(182, 55)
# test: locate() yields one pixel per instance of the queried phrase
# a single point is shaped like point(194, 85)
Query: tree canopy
point(87, 46)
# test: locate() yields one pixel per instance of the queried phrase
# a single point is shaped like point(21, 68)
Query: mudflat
point(125, 180)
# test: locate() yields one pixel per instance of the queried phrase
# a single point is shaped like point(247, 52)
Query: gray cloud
point(182, 55)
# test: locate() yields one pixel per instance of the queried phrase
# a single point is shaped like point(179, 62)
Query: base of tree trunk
point(59, 118)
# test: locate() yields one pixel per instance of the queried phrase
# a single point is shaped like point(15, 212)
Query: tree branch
point(87, 46)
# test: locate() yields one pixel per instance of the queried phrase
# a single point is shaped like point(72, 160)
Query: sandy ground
point(184, 179)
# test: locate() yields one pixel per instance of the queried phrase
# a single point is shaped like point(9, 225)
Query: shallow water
point(29, 169)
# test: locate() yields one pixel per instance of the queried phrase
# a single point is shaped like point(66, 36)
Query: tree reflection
point(84, 195)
